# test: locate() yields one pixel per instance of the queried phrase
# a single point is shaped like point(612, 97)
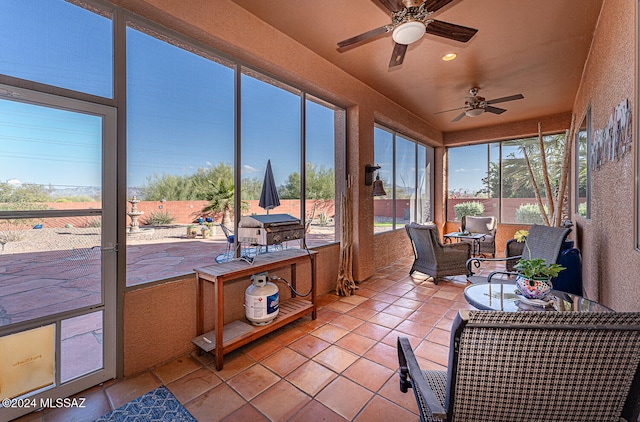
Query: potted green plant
point(192, 231)
point(208, 230)
point(534, 277)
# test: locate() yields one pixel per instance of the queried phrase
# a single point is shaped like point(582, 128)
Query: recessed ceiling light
point(448, 57)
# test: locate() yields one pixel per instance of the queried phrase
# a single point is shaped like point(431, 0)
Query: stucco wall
point(610, 262)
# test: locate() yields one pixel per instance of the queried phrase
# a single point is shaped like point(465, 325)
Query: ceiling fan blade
point(446, 111)
point(451, 31)
point(459, 116)
point(397, 57)
point(435, 5)
point(365, 36)
point(505, 99)
point(494, 110)
point(392, 5)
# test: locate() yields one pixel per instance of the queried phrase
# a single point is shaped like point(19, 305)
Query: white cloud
point(463, 170)
point(14, 182)
point(250, 169)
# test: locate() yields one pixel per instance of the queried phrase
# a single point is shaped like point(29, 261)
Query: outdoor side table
point(227, 337)
point(475, 240)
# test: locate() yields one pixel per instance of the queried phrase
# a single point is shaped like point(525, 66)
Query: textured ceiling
point(534, 48)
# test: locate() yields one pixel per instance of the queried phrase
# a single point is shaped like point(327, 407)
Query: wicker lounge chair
point(432, 257)
point(542, 242)
point(531, 366)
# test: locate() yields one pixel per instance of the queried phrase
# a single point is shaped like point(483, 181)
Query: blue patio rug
point(157, 405)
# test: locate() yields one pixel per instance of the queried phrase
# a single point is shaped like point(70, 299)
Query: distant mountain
point(90, 191)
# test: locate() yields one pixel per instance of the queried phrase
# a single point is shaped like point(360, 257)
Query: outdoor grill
point(270, 229)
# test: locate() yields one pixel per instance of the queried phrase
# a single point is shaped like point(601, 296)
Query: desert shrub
point(159, 218)
point(92, 223)
point(529, 214)
point(473, 208)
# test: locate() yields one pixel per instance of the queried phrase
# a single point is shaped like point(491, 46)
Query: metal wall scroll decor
point(613, 141)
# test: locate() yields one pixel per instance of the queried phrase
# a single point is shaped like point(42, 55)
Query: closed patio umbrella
point(269, 198)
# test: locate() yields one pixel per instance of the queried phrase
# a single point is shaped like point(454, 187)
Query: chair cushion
point(479, 224)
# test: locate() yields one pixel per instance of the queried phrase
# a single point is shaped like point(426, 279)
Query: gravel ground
point(51, 239)
point(38, 240)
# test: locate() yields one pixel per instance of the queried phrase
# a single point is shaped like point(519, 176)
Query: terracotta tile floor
point(342, 366)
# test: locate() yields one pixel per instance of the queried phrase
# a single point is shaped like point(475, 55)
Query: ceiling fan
point(475, 105)
point(410, 20)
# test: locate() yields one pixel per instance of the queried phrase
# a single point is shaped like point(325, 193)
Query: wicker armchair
point(432, 257)
point(482, 225)
point(531, 366)
point(542, 242)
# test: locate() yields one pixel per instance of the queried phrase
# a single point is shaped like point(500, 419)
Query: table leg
point(219, 325)
point(293, 278)
point(314, 313)
point(199, 308)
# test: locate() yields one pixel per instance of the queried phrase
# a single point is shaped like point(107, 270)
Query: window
point(182, 140)
point(583, 172)
point(180, 143)
point(494, 180)
point(271, 114)
point(467, 180)
point(63, 45)
point(199, 127)
point(324, 130)
point(406, 172)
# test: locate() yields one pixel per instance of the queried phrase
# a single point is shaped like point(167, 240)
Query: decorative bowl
point(535, 288)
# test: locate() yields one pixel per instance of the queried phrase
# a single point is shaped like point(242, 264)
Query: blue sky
point(180, 105)
point(467, 167)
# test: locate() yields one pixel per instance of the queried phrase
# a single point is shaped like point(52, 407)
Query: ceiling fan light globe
point(474, 112)
point(409, 32)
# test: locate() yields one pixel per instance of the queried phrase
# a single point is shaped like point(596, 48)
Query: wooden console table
point(238, 333)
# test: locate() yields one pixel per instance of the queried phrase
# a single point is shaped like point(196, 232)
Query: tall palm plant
point(220, 197)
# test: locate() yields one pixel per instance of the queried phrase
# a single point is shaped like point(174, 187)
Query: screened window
point(200, 130)
point(271, 117)
point(583, 173)
point(495, 180)
point(64, 45)
point(406, 172)
point(468, 187)
point(324, 129)
point(185, 136)
point(180, 143)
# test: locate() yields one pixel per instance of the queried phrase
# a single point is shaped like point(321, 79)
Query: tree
point(320, 183)
point(220, 197)
point(556, 196)
point(514, 178)
point(186, 187)
point(251, 188)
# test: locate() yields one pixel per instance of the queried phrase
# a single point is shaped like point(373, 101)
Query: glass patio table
point(502, 297)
